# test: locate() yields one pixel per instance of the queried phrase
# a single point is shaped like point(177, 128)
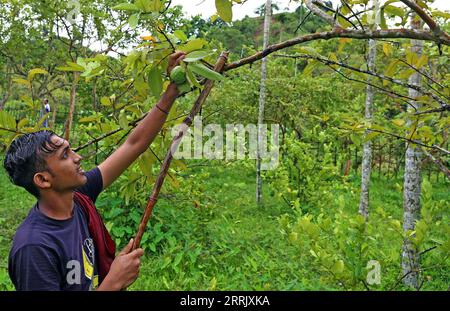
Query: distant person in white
point(46, 110)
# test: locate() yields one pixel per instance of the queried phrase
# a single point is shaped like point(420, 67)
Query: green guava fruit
point(178, 75)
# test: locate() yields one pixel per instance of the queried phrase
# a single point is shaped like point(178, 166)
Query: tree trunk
point(94, 96)
point(73, 93)
point(367, 149)
point(262, 100)
point(8, 89)
point(412, 184)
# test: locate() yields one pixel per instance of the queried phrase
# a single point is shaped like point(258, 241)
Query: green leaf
point(133, 20)
point(224, 10)
point(383, 24)
point(72, 67)
point(444, 15)
point(338, 267)
point(22, 81)
point(36, 71)
point(88, 119)
point(387, 48)
point(145, 163)
point(393, 10)
point(7, 120)
point(204, 71)
point(141, 86)
point(411, 57)
point(126, 7)
point(180, 35)
point(310, 67)
point(192, 45)
point(177, 260)
point(76, 66)
point(308, 50)
point(148, 5)
point(155, 81)
point(22, 123)
point(105, 101)
point(41, 121)
point(191, 78)
point(196, 55)
point(405, 74)
point(421, 61)
point(371, 136)
point(390, 69)
point(398, 122)
point(123, 121)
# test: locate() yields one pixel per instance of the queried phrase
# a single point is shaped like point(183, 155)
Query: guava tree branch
point(344, 33)
point(442, 109)
point(11, 130)
point(426, 18)
point(311, 5)
point(435, 147)
point(391, 93)
point(368, 72)
point(438, 163)
point(105, 135)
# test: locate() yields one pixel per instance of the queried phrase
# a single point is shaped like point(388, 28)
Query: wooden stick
point(220, 64)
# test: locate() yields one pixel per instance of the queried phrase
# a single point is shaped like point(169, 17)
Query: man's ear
point(42, 180)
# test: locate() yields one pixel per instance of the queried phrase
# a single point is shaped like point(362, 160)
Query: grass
point(15, 203)
point(216, 238)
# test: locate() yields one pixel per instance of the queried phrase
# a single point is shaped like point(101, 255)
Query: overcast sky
point(206, 8)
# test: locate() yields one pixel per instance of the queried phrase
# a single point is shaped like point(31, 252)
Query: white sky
point(206, 8)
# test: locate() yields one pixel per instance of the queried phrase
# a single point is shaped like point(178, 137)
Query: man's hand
point(124, 269)
point(174, 60)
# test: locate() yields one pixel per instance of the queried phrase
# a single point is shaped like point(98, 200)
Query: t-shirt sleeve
point(34, 268)
point(94, 184)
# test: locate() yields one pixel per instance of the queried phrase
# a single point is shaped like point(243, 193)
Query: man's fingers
point(177, 54)
point(137, 253)
point(175, 57)
point(179, 59)
point(127, 248)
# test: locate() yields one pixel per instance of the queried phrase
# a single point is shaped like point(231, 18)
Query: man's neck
point(57, 205)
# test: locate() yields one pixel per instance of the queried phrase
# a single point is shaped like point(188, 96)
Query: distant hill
point(249, 30)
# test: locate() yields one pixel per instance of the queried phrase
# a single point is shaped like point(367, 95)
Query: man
point(63, 244)
point(45, 111)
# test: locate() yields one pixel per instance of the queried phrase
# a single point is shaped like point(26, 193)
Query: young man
point(63, 244)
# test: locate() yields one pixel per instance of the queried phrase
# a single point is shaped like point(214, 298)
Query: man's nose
point(78, 158)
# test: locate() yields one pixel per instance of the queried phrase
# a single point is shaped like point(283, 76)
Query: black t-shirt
point(50, 254)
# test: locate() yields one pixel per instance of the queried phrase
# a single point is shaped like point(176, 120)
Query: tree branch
point(311, 5)
point(412, 141)
point(383, 77)
point(426, 18)
point(343, 33)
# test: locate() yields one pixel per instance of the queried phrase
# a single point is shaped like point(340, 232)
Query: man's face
point(64, 166)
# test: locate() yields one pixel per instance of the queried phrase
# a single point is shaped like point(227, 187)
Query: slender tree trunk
point(8, 90)
point(94, 96)
point(367, 149)
point(412, 184)
point(54, 111)
point(262, 100)
point(73, 93)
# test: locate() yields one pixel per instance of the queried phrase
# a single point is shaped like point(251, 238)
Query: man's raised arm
point(144, 134)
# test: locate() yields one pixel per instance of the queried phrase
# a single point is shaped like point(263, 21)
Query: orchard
point(350, 97)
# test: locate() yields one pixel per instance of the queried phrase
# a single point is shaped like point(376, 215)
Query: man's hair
point(26, 157)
